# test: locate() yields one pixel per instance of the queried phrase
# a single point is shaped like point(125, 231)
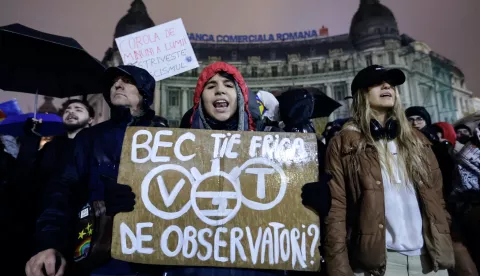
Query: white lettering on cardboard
point(260, 172)
point(124, 232)
point(145, 188)
point(164, 241)
point(207, 245)
point(276, 226)
point(136, 240)
point(235, 238)
point(144, 145)
point(190, 235)
point(158, 143)
point(267, 241)
point(254, 248)
point(219, 243)
point(186, 136)
point(271, 245)
point(141, 238)
point(313, 230)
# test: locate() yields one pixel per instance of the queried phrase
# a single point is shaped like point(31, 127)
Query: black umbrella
point(323, 104)
point(51, 65)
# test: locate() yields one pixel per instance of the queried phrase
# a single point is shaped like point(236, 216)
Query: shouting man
point(33, 169)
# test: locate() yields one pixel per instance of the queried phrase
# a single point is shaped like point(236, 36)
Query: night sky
point(449, 27)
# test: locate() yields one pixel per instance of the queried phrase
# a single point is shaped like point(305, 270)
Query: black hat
point(419, 111)
point(376, 74)
point(142, 79)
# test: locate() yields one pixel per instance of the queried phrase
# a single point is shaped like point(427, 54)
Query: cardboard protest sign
point(163, 50)
point(220, 199)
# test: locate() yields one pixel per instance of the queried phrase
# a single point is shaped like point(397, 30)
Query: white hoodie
point(402, 211)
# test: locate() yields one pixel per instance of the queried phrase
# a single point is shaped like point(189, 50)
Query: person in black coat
point(90, 176)
point(296, 109)
point(31, 170)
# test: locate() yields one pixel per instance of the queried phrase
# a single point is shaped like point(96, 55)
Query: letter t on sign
point(261, 172)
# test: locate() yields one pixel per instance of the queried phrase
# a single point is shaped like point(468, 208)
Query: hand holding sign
point(213, 198)
point(163, 50)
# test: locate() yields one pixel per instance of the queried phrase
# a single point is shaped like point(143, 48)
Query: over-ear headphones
point(389, 132)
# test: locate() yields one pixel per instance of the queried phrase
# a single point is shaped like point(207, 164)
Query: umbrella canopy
point(323, 106)
point(51, 124)
point(55, 65)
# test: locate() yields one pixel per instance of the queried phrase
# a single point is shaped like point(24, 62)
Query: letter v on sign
point(168, 198)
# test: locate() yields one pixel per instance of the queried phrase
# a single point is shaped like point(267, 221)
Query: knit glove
point(316, 195)
point(119, 198)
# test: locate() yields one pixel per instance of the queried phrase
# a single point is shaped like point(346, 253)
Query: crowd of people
point(396, 195)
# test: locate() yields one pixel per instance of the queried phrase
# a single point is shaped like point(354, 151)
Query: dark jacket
point(24, 201)
point(97, 152)
point(14, 214)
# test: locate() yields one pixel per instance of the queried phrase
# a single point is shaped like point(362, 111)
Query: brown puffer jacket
point(355, 234)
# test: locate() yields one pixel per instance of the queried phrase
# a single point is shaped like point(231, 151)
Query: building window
point(391, 57)
point(189, 98)
point(273, 54)
point(444, 100)
point(294, 69)
point(194, 72)
point(340, 91)
point(336, 65)
point(315, 68)
point(174, 123)
point(234, 55)
point(174, 97)
point(455, 102)
point(274, 71)
point(368, 58)
point(466, 105)
point(380, 59)
point(254, 71)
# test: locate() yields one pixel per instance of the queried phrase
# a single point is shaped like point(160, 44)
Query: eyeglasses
point(416, 120)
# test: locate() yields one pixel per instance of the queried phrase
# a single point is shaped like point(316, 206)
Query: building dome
point(135, 20)
point(372, 25)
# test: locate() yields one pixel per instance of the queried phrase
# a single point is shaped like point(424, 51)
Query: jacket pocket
point(442, 228)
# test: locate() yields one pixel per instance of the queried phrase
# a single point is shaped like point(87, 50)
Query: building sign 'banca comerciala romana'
point(259, 38)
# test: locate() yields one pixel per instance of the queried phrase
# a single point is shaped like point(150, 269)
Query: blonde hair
point(409, 146)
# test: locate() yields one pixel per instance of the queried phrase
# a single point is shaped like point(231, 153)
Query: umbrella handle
point(35, 122)
point(36, 105)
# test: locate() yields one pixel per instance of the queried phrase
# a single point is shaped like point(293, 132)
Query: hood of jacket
point(448, 132)
point(144, 82)
point(210, 71)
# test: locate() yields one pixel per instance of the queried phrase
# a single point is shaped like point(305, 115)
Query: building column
point(329, 92)
point(163, 101)
point(156, 98)
point(184, 100)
